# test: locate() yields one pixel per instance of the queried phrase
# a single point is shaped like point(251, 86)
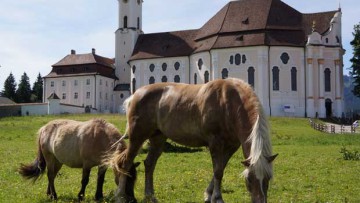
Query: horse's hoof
point(81, 198)
point(150, 199)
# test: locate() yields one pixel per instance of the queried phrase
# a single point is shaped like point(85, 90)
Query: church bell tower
point(130, 27)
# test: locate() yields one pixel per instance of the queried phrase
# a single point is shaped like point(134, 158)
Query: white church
point(294, 61)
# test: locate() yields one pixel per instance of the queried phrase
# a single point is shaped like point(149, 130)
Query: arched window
point(125, 21)
point(152, 67)
point(200, 63)
point(285, 58)
point(164, 66)
point(206, 76)
point(133, 69)
point(151, 80)
point(138, 23)
point(177, 66)
point(164, 79)
point(237, 59)
point(275, 72)
point(195, 78)
point(251, 76)
point(327, 73)
point(133, 85)
point(293, 79)
point(243, 59)
point(224, 73)
point(231, 59)
point(177, 78)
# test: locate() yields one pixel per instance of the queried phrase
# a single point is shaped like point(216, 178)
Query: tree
point(37, 89)
point(10, 87)
point(355, 60)
point(23, 93)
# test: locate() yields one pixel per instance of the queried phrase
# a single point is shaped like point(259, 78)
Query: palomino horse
point(77, 145)
point(222, 115)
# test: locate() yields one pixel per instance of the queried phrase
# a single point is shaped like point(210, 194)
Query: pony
point(77, 145)
point(221, 115)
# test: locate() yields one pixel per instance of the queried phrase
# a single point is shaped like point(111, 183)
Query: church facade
point(292, 60)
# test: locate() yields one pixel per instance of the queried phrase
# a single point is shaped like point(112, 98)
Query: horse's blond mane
point(260, 148)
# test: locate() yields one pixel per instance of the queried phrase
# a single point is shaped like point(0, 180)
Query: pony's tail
point(36, 169)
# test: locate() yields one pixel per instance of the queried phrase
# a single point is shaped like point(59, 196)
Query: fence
point(332, 128)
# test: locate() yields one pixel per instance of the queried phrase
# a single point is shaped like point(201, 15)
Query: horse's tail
point(37, 168)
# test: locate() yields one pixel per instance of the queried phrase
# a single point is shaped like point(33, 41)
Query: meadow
point(309, 168)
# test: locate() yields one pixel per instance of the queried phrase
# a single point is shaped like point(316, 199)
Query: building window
point(64, 96)
point(133, 69)
point(177, 66)
point(76, 95)
point(152, 67)
point(195, 78)
point(151, 80)
point(231, 60)
point(125, 21)
point(327, 73)
point(63, 83)
point(224, 73)
point(275, 72)
point(87, 95)
point(52, 84)
point(100, 81)
point(106, 96)
point(243, 59)
point(206, 76)
point(133, 85)
point(251, 76)
point(177, 78)
point(237, 59)
point(293, 79)
point(164, 66)
point(285, 58)
point(87, 81)
point(200, 63)
point(138, 23)
point(121, 95)
point(164, 79)
point(75, 82)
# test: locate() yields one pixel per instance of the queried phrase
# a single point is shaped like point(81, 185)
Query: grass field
point(309, 168)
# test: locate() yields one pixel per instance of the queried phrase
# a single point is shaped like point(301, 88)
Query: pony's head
point(130, 181)
point(257, 177)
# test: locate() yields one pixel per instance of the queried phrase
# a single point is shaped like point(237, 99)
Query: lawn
point(309, 168)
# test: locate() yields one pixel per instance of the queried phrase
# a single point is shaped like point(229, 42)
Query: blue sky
point(35, 34)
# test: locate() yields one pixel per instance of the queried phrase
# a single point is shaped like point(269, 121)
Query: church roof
point(239, 23)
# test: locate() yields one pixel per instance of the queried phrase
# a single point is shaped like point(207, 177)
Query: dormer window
point(246, 21)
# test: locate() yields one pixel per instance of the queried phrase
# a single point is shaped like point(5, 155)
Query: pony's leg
point(156, 148)
point(220, 152)
point(53, 167)
point(100, 182)
point(84, 182)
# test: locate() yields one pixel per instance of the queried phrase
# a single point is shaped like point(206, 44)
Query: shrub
point(350, 155)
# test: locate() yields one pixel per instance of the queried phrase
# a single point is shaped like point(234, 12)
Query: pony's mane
point(260, 148)
point(114, 158)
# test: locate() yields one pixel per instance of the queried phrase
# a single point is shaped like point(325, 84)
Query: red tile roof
point(239, 23)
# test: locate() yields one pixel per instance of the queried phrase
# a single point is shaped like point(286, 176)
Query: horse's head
point(257, 177)
point(130, 182)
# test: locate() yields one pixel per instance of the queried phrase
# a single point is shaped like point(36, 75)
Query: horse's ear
point(271, 158)
point(246, 163)
point(136, 164)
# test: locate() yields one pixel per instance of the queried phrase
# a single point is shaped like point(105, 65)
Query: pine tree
point(355, 60)
point(10, 87)
point(23, 93)
point(37, 89)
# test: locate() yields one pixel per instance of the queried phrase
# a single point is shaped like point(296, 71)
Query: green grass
point(309, 168)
